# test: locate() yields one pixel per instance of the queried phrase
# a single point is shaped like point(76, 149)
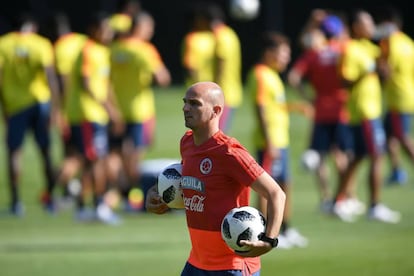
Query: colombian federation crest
point(206, 165)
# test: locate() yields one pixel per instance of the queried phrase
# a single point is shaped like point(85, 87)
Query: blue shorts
point(36, 118)
point(398, 124)
point(190, 270)
point(90, 139)
point(368, 138)
point(277, 168)
point(140, 134)
point(328, 135)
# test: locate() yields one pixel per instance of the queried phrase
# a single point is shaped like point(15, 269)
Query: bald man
point(218, 174)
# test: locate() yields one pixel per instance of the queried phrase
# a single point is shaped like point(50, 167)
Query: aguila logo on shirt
point(206, 165)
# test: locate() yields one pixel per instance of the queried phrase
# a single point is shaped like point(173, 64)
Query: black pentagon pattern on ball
point(171, 173)
point(245, 235)
point(226, 229)
point(243, 216)
point(262, 219)
point(168, 195)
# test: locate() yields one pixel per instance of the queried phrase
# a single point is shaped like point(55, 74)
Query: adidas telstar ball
point(242, 223)
point(169, 186)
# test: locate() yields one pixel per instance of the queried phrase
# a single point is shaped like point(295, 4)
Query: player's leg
point(83, 213)
point(278, 168)
point(92, 143)
point(320, 142)
point(41, 123)
point(115, 176)
point(342, 149)
point(67, 176)
point(395, 130)
point(68, 173)
point(398, 175)
point(98, 145)
point(405, 135)
point(141, 137)
point(80, 142)
point(342, 152)
point(374, 137)
point(341, 207)
point(16, 126)
point(114, 166)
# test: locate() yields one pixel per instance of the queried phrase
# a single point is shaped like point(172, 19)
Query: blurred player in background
point(318, 64)
point(397, 56)
point(209, 159)
point(271, 134)
point(311, 35)
point(67, 47)
point(89, 106)
point(136, 65)
point(199, 46)
point(29, 100)
point(228, 65)
point(358, 71)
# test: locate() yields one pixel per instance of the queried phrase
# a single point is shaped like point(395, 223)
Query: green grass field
point(147, 244)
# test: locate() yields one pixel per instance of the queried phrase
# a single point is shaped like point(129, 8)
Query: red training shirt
point(216, 178)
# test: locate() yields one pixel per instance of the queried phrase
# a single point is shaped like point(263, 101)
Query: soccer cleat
point(17, 209)
point(382, 213)
point(105, 214)
point(398, 176)
point(355, 206)
point(295, 238)
point(326, 206)
point(48, 203)
point(342, 210)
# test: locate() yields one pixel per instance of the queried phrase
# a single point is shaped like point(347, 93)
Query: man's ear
point(217, 110)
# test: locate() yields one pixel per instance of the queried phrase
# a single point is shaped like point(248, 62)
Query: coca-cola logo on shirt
point(194, 203)
point(206, 165)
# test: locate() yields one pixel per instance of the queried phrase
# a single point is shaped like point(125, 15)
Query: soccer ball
point(169, 186)
point(244, 9)
point(311, 159)
point(242, 223)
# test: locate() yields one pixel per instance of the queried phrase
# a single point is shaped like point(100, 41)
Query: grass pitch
point(146, 244)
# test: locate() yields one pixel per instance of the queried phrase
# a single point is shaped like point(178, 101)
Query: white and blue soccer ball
point(169, 186)
point(244, 9)
point(310, 160)
point(242, 223)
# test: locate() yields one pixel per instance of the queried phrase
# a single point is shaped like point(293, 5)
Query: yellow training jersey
point(67, 49)
point(23, 57)
point(198, 56)
point(399, 88)
point(228, 50)
point(358, 64)
point(80, 106)
point(267, 90)
point(133, 63)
